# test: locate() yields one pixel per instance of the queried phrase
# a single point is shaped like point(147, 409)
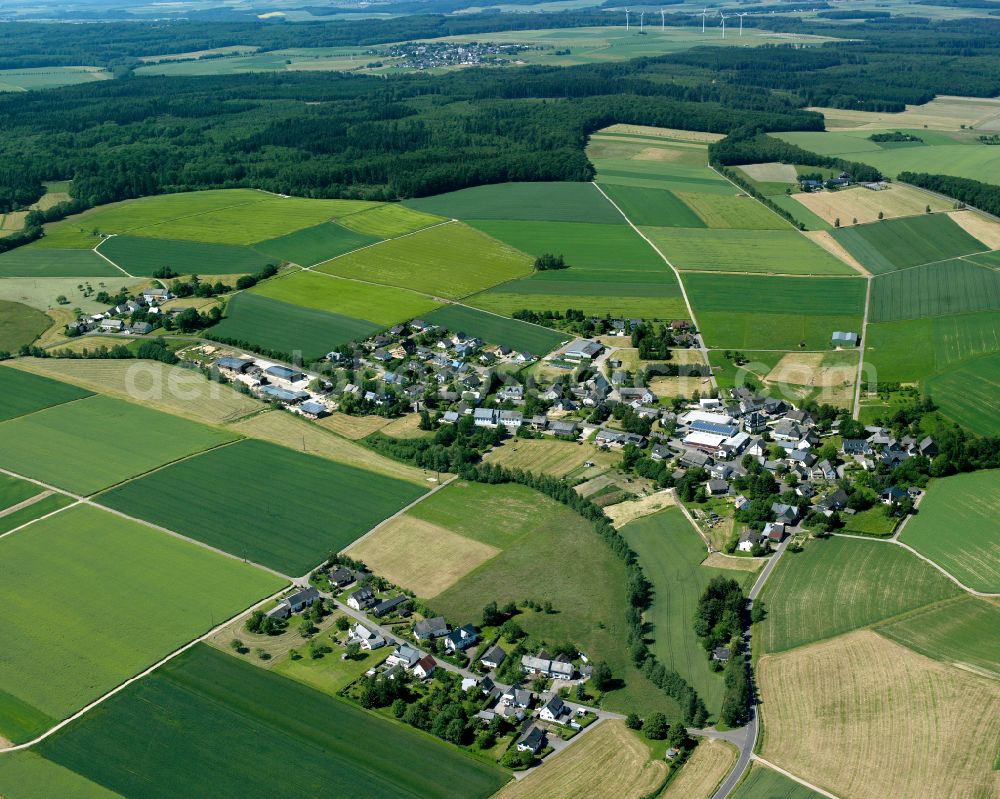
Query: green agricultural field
point(613, 248)
point(19, 325)
point(495, 329)
point(910, 241)
point(739, 212)
point(123, 612)
point(841, 584)
point(538, 202)
point(37, 78)
point(915, 349)
point(534, 533)
point(41, 292)
point(956, 527)
point(388, 221)
point(35, 510)
point(14, 491)
point(748, 312)
point(686, 170)
point(670, 553)
point(763, 783)
point(233, 716)
point(48, 445)
point(767, 251)
point(970, 394)
point(46, 262)
point(301, 509)
point(450, 261)
point(28, 775)
point(21, 393)
point(288, 328)
point(950, 287)
point(143, 256)
point(799, 212)
point(962, 631)
point(381, 305)
point(655, 207)
point(315, 244)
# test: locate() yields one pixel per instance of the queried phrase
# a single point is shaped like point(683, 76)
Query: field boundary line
point(861, 346)
point(774, 274)
point(145, 673)
point(908, 548)
point(964, 257)
point(677, 275)
point(98, 252)
point(799, 780)
point(57, 405)
point(374, 243)
point(41, 518)
point(26, 503)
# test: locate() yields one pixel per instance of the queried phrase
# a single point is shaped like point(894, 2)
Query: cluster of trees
point(249, 281)
point(653, 343)
point(155, 350)
point(261, 624)
point(655, 727)
point(548, 261)
point(675, 370)
point(194, 287)
point(984, 196)
point(896, 135)
point(452, 448)
point(719, 621)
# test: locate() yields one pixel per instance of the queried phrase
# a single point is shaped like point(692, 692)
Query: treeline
point(754, 146)
point(984, 196)
point(155, 350)
point(719, 622)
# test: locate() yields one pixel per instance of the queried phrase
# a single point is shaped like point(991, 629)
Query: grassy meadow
point(282, 524)
point(842, 584)
point(763, 782)
point(48, 262)
point(653, 207)
point(495, 329)
point(43, 444)
point(20, 325)
point(104, 564)
point(970, 394)
point(739, 211)
point(388, 220)
point(956, 528)
point(313, 245)
point(143, 256)
point(232, 712)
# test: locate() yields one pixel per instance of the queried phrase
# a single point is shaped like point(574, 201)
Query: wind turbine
point(741, 21)
point(642, 15)
point(704, 14)
point(663, 20)
point(723, 24)
point(626, 19)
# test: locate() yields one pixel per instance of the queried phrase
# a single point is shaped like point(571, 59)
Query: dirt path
point(861, 346)
point(27, 503)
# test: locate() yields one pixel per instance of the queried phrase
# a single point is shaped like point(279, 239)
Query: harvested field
point(720, 560)
point(665, 133)
point(944, 112)
point(772, 172)
point(834, 382)
point(835, 248)
point(422, 557)
point(548, 455)
point(703, 772)
point(407, 426)
point(678, 386)
point(299, 434)
point(173, 389)
point(353, 427)
point(864, 204)
point(907, 719)
point(630, 510)
point(610, 762)
point(979, 227)
point(41, 292)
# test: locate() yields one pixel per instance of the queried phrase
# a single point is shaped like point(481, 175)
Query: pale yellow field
point(405, 427)
point(630, 510)
point(864, 204)
point(719, 560)
point(13, 221)
point(55, 335)
point(420, 556)
point(659, 154)
point(353, 427)
point(666, 133)
point(835, 248)
point(666, 387)
point(771, 173)
point(182, 392)
point(942, 113)
point(703, 772)
point(978, 226)
point(608, 762)
point(806, 369)
point(548, 456)
point(866, 718)
point(291, 431)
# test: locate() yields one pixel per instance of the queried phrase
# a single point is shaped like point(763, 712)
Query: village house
point(362, 599)
point(386, 606)
point(405, 655)
point(425, 667)
point(340, 577)
point(533, 742)
point(547, 667)
point(367, 639)
point(493, 657)
point(426, 629)
point(556, 711)
point(461, 639)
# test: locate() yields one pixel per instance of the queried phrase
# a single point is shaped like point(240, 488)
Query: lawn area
point(316, 244)
point(739, 211)
point(19, 325)
point(670, 553)
point(841, 584)
point(46, 262)
point(764, 783)
point(138, 255)
point(733, 310)
point(549, 202)
point(785, 252)
point(656, 207)
point(28, 775)
point(495, 329)
point(901, 243)
point(448, 261)
point(964, 631)
point(281, 524)
point(41, 292)
point(152, 384)
point(388, 220)
point(874, 521)
point(970, 394)
point(758, 366)
point(103, 561)
point(950, 287)
point(328, 674)
point(380, 305)
point(916, 727)
point(956, 528)
point(288, 328)
point(549, 456)
point(535, 533)
point(233, 716)
point(48, 445)
point(611, 762)
point(609, 248)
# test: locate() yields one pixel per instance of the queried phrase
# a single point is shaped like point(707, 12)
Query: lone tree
point(655, 727)
point(601, 676)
